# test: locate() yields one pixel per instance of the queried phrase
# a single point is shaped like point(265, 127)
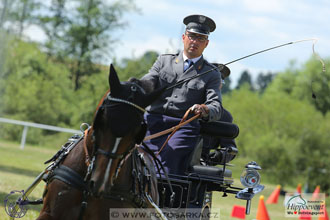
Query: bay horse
point(105, 169)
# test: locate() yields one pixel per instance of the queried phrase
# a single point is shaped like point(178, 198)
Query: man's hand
point(200, 109)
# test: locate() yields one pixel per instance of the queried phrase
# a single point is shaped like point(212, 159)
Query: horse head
point(118, 125)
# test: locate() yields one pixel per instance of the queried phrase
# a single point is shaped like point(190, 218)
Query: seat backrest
point(217, 129)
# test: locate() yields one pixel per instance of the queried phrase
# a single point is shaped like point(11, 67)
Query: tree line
point(78, 33)
point(283, 117)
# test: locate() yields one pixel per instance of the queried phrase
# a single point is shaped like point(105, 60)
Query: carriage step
point(210, 171)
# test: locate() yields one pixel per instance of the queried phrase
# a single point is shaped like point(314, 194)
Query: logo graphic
point(15, 206)
point(298, 200)
point(304, 205)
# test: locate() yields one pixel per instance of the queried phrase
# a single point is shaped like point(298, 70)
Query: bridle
point(113, 153)
point(126, 102)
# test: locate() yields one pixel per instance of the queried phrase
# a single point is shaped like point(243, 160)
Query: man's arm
point(213, 99)
point(153, 75)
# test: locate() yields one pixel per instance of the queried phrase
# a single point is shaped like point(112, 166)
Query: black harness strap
point(109, 154)
point(72, 178)
point(68, 176)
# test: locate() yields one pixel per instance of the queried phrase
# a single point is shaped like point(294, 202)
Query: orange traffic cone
point(325, 216)
point(299, 188)
point(262, 213)
point(272, 199)
point(238, 212)
point(316, 192)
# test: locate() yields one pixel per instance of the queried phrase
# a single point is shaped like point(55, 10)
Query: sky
point(243, 27)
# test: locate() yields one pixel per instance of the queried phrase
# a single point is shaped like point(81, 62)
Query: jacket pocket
point(166, 78)
point(196, 85)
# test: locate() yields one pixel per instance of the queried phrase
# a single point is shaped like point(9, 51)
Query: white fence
point(36, 125)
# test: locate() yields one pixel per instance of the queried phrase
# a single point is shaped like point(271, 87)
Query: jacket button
point(175, 96)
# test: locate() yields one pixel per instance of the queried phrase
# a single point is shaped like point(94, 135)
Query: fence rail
point(36, 125)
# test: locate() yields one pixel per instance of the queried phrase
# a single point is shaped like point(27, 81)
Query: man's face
point(194, 44)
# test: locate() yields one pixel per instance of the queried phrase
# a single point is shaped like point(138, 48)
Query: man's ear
point(207, 43)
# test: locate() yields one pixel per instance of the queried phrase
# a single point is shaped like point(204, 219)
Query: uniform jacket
point(168, 70)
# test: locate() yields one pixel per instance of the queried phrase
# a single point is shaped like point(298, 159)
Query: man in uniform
point(202, 92)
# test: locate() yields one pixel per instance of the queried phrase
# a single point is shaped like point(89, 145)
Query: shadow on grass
point(20, 171)
point(4, 195)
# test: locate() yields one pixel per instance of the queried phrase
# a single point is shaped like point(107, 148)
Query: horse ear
point(114, 81)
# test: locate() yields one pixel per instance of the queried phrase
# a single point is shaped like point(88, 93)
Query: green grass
point(18, 169)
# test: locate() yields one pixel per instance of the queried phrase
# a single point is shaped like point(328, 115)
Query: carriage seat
point(219, 129)
point(210, 171)
point(216, 129)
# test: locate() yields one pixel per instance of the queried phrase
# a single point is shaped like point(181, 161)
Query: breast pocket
point(195, 85)
point(196, 92)
point(166, 78)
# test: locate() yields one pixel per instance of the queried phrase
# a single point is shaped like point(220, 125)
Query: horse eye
point(133, 88)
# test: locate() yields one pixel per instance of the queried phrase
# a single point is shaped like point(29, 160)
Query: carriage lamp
point(250, 177)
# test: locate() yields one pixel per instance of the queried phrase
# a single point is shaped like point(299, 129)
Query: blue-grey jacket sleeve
point(213, 98)
point(153, 74)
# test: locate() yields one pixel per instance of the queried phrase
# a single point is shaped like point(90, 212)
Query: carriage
point(193, 191)
point(104, 168)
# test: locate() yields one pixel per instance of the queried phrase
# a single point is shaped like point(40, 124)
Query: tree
point(85, 34)
point(226, 86)
point(306, 83)
point(244, 79)
point(35, 89)
point(54, 23)
point(285, 135)
point(263, 80)
point(4, 5)
point(19, 14)
point(136, 67)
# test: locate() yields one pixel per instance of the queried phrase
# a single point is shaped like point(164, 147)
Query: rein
point(175, 128)
point(126, 102)
point(87, 160)
point(161, 133)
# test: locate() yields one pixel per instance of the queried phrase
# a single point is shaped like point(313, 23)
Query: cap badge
point(202, 19)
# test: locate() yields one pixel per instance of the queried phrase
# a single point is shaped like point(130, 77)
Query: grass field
point(18, 169)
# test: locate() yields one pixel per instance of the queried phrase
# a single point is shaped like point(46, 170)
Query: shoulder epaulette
point(170, 54)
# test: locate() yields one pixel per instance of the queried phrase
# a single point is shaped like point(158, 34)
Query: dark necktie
point(189, 64)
